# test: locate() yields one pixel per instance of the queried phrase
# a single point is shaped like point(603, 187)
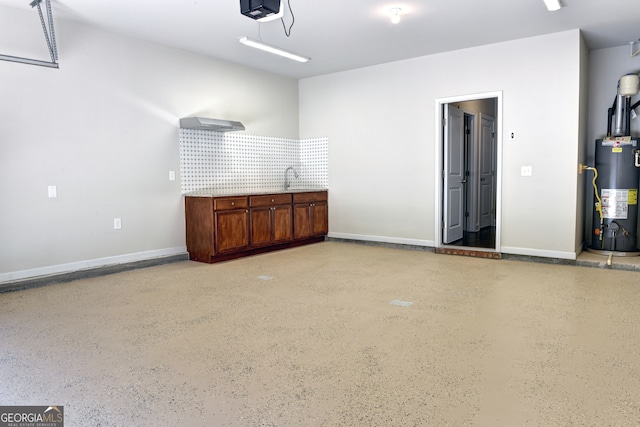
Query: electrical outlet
point(512, 135)
point(117, 223)
point(172, 175)
point(53, 191)
point(526, 171)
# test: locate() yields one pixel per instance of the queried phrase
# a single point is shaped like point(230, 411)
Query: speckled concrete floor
point(308, 336)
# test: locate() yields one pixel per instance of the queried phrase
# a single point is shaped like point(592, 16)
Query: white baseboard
point(430, 243)
point(383, 239)
point(91, 263)
point(538, 252)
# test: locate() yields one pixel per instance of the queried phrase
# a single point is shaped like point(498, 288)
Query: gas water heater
point(616, 177)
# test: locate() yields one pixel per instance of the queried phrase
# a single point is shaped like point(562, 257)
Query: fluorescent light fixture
point(395, 14)
point(553, 5)
point(272, 49)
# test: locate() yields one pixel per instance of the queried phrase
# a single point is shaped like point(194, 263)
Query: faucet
point(287, 184)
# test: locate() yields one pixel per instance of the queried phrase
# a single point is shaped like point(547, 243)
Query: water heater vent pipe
point(628, 86)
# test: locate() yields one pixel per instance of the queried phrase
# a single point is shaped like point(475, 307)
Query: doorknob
point(464, 181)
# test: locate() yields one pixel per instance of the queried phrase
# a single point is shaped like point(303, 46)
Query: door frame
point(439, 161)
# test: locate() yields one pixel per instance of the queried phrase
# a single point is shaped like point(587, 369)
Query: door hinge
point(444, 122)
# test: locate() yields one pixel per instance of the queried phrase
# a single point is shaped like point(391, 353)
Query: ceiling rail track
point(49, 36)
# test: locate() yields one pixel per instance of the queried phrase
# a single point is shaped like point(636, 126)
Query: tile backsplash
point(228, 161)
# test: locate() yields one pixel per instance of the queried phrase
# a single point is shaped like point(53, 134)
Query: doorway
point(467, 159)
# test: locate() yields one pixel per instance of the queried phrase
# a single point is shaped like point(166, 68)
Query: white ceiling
point(345, 34)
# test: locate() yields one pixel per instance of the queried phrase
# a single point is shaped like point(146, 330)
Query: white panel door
point(454, 181)
point(487, 171)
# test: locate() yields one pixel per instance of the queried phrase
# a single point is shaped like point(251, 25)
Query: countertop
point(249, 192)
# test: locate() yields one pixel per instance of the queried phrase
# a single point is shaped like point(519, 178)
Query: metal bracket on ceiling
point(637, 52)
point(50, 38)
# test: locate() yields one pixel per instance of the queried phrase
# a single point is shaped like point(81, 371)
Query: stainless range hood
point(203, 123)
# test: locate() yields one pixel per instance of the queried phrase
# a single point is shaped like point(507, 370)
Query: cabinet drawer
point(270, 200)
point(316, 196)
point(227, 203)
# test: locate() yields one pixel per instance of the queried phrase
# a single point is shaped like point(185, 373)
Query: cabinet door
point(320, 219)
point(301, 220)
point(232, 230)
point(261, 226)
point(282, 224)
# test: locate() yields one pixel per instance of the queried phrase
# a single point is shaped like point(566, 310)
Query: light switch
point(526, 171)
point(172, 175)
point(117, 223)
point(53, 192)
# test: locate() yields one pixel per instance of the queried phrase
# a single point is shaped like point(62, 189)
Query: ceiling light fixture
point(272, 49)
point(553, 5)
point(395, 14)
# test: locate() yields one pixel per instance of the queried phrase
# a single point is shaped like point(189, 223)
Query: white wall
point(381, 127)
point(104, 129)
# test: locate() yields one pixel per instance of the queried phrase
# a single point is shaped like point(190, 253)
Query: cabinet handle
point(272, 200)
point(233, 203)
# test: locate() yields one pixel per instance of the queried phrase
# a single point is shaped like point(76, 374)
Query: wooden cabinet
point(311, 214)
point(221, 228)
point(216, 226)
point(271, 219)
point(231, 224)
